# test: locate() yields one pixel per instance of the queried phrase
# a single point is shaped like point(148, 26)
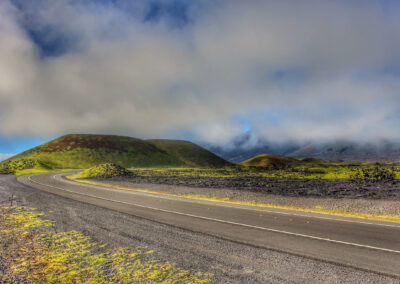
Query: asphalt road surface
point(364, 244)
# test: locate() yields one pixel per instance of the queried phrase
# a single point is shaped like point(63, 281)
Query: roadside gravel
point(230, 262)
point(339, 194)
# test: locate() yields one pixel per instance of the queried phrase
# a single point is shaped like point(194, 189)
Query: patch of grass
point(24, 166)
point(31, 254)
point(19, 164)
point(317, 209)
point(104, 170)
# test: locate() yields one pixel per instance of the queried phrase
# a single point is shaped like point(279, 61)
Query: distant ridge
point(87, 150)
point(190, 153)
point(245, 147)
point(347, 151)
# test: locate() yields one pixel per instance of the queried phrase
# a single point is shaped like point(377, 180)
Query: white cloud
point(319, 62)
point(5, 156)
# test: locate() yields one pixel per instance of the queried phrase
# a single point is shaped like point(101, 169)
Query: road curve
point(363, 244)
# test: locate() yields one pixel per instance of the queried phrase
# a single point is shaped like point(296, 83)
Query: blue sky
point(207, 71)
point(20, 144)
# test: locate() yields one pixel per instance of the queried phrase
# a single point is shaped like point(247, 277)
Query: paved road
point(364, 244)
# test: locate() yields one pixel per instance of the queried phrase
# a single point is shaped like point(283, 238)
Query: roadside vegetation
point(32, 251)
point(107, 170)
point(358, 171)
point(25, 166)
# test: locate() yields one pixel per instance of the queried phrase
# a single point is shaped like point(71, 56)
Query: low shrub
point(107, 170)
point(375, 174)
point(21, 164)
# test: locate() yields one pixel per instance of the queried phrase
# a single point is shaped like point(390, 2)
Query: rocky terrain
point(322, 188)
point(367, 197)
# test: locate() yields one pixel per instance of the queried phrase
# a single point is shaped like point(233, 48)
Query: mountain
point(348, 151)
point(245, 146)
point(190, 153)
point(86, 150)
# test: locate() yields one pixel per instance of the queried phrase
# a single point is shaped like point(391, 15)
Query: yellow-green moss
point(104, 170)
point(70, 257)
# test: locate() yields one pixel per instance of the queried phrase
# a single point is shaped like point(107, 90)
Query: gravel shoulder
point(229, 261)
point(363, 197)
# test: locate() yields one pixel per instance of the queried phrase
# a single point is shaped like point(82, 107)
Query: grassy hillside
point(78, 151)
point(268, 160)
point(84, 151)
point(190, 153)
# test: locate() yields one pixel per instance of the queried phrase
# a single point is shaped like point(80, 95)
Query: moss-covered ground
point(106, 170)
point(301, 171)
point(31, 251)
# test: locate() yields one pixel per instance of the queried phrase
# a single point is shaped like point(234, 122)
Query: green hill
point(267, 160)
point(190, 153)
point(79, 151)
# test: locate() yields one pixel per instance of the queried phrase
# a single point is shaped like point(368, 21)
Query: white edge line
point(223, 221)
point(238, 206)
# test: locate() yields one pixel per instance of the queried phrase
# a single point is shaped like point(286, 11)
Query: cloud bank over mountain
point(212, 70)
